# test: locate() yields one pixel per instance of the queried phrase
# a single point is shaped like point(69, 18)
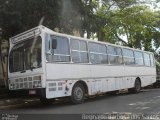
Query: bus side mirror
point(54, 43)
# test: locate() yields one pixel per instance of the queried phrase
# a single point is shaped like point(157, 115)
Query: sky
point(152, 4)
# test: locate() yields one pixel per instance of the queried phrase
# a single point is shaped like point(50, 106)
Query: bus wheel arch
point(79, 90)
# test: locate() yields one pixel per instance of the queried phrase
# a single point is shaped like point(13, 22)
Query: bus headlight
point(37, 83)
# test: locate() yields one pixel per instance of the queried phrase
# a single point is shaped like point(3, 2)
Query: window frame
point(25, 63)
point(115, 55)
point(50, 55)
point(97, 53)
point(139, 58)
point(79, 51)
point(147, 59)
point(124, 56)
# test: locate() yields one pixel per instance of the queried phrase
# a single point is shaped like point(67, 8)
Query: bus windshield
point(26, 55)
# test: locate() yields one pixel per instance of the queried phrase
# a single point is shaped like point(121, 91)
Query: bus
point(52, 65)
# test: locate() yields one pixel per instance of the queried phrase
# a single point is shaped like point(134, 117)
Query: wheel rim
point(78, 93)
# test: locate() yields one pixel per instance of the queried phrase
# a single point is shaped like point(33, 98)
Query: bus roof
point(37, 30)
point(91, 40)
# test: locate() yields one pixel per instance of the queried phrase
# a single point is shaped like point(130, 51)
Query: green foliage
point(19, 15)
point(109, 19)
point(138, 23)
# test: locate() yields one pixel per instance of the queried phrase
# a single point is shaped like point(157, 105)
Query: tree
point(137, 23)
point(17, 16)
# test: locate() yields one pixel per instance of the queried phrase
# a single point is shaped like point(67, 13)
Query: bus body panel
point(26, 80)
point(99, 78)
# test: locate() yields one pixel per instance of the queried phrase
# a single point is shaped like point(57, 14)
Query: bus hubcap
point(78, 93)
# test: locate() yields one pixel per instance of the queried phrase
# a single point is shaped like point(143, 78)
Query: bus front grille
point(25, 83)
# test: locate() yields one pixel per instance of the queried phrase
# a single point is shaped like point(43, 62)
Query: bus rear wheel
point(78, 94)
point(137, 87)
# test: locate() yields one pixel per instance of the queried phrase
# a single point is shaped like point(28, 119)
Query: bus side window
point(112, 54)
point(115, 55)
point(59, 49)
point(138, 58)
point(128, 56)
point(79, 51)
point(146, 59)
point(119, 56)
point(98, 53)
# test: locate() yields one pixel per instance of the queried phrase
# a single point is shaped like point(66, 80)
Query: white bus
point(54, 65)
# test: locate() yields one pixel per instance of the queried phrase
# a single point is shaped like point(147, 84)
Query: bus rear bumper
point(39, 92)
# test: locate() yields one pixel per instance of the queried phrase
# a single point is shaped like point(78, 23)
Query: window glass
point(74, 44)
point(93, 47)
point(83, 46)
point(98, 53)
point(17, 60)
point(119, 51)
point(102, 49)
point(59, 58)
point(128, 61)
point(84, 57)
point(128, 53)
point(26, 55)
point(115, 55)
point(61, 53)
point(79, 57)
point(94, 58)
point(128, 57)
point(146, 59)
point(98, 58)
point(112, 50)
point(120, 59)
point(112, 59)
point(98, 48)
point(75, 56)
point(138, 58)
point(79, 51)
point(62, 46)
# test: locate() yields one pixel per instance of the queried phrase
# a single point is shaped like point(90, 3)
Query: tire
point(78, 94)
point(136, 88)
point(45, 101)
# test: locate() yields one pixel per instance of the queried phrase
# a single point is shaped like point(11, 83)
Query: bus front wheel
point(78, 93)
